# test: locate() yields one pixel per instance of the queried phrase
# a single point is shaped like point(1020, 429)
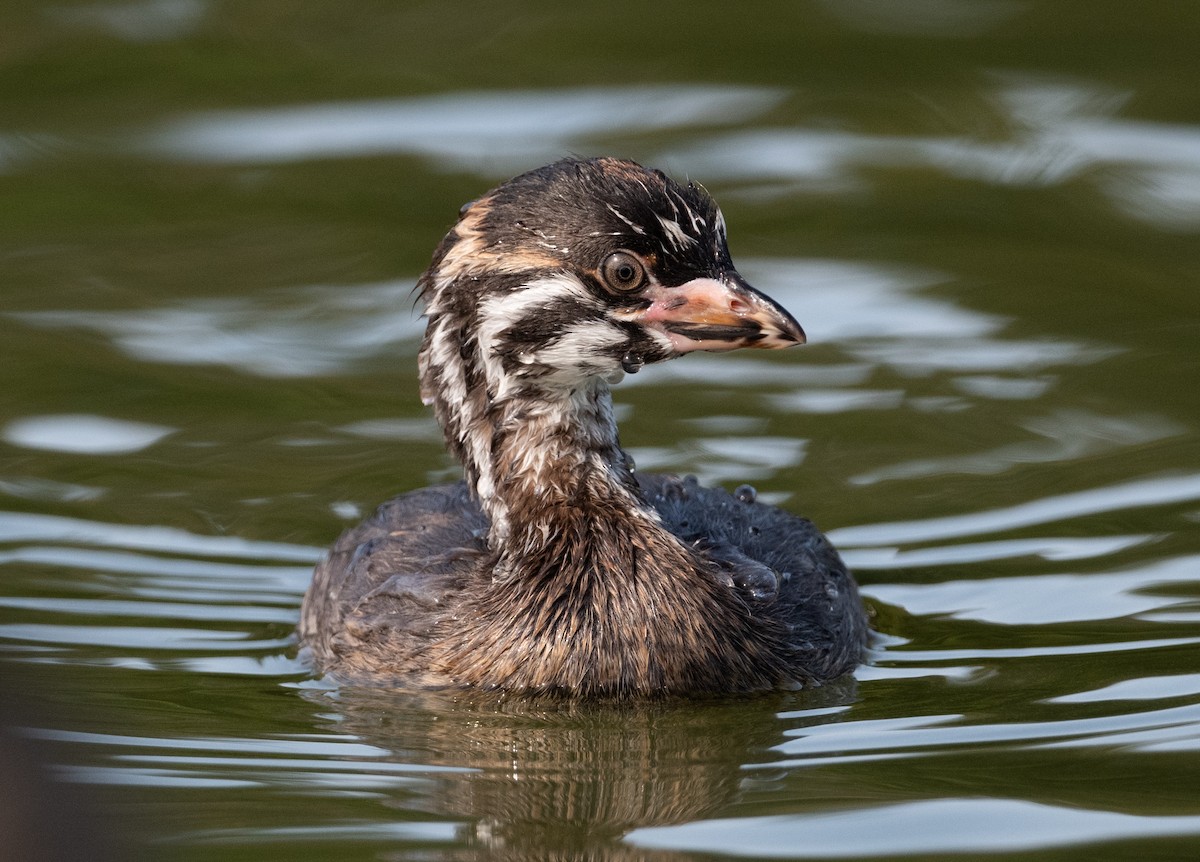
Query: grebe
point(555, 568)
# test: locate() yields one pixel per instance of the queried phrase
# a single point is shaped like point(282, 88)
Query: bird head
point(585, 269)
point(551, 286)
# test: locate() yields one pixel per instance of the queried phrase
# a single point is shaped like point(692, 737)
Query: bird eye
point(622, 272)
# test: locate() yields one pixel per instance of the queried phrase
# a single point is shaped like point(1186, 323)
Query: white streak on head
point(636, 228)
point(671, 201)
point(676, 235)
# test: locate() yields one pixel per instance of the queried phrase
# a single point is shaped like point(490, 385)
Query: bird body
point(554, 567)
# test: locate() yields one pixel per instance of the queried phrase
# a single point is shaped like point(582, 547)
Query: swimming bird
point(555, 567)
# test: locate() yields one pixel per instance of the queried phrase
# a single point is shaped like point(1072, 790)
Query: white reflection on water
point(507, 130)
point(160, 610)
point(837, 400)
point(922, 356)
point(298, 332)
point(1047, 548)
point(48, 490)
point(1047, 599)
point(1144, 688)
point(1066, 435)
point(140, 21)
point(1166, 197)
point(139, 637)
point(337, 833)
point(1003, 388)
point(11, 152)
point(927, 826)
point(28, 527)
point(279, 582)
point(919, 656)
point(83, 434)
point(742, 458)
point(882, 315)
point(314, 745)
point(940, 732)
point(396, 429)
point(843, 301)
point(332, 763)
point(1111, 498)
point(1061, 131)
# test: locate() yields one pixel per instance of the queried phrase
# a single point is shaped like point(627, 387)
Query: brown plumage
point(555, 568)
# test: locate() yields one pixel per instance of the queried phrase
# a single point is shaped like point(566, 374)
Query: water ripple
point(27, 527)
point(1065, 435)
point(1111, 498)
point(334, 833)
point(942, 732)
point(922, 827)
point(1144, 688)
point(157, 610)
point(296, 332)
point(1047, 548)
point(285, 581)
point(1061, 131)
point(1048, 599)
point(326, 763)
point(506, 130)
point(139, 637)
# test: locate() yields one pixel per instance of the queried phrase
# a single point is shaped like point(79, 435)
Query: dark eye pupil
point(625, 272)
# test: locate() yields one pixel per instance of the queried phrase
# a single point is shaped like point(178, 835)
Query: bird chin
point(614, 377)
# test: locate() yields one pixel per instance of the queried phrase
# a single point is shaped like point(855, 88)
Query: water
point(985, 215)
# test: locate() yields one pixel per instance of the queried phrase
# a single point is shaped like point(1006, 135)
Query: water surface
point(986, 217)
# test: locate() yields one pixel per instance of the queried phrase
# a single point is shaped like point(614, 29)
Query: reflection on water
point(1068, 435)
point(982, 826)
point(1149, 688)
point(1060, 131)
point(1124, 497)
point(1046, 599)
point(506, 131)
point(90, 435)
point(138, 21)
point(22, 527)
point(524, 763)
point(296, 333)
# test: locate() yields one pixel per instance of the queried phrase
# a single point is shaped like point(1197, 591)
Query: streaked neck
point(552, 452)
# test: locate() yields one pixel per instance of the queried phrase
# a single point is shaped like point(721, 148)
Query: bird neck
point(549, 454)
